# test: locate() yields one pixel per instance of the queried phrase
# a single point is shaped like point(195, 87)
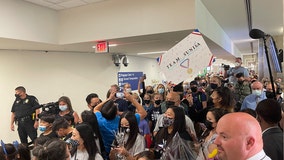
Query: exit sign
point(102, 47)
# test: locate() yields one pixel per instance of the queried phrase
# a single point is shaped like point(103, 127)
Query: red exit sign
point(102, 47)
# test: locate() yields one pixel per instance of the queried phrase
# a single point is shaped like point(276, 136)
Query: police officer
point(25, 112)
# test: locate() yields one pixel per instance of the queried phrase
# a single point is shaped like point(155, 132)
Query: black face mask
point(125, 129)
point(269, 94)
point(208, 125)
point(193, 89)
point(17, 96)
point(147, 101)
point(240, 82)
point(169, 104)
point(158, 102)
point(150, 92)
point(213, 85)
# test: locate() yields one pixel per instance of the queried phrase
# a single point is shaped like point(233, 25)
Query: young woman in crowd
point(133, 141)
point(207, 145)
point(91, 119)
point(54, 149)
point(174, 122)
point(87, 148)
point(148, 103)
point(222, 97)
point(161, 89)
point(65, 107)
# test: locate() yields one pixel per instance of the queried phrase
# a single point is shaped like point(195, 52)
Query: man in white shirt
point(239, 138)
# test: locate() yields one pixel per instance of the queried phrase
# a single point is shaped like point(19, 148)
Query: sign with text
point(186, 59)
point(129, 77)
point(102, 47)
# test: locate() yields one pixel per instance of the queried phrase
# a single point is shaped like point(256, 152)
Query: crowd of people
point(207, 118)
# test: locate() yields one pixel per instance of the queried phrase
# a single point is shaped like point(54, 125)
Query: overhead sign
point(102, 47)
point(129, 77)
point(186, 59)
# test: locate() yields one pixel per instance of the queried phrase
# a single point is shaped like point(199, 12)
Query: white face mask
point(257, 92)
point(63, 107)
point(128, 90)
point(237, 64)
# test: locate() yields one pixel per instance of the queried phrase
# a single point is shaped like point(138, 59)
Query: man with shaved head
point(253, 99)
point(237, 140)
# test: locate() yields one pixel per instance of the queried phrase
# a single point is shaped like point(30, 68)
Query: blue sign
point(129, 77)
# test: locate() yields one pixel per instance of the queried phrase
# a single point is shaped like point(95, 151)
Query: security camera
point(125, 61)
point(116, 60)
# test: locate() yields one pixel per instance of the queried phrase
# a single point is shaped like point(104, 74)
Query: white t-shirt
point(83, 155)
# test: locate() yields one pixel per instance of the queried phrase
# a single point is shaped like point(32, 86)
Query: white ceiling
point(63, 4)
point(231, 15)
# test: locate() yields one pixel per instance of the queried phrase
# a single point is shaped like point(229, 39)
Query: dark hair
point(90, 96)
point(60, 123)
point(148, 155)
point(179, 122)
point(218, 113)
point(133, 126)
point(227, 101)
point(47, 117)
point(109, 110)
point(24, 152)
point(249, 111)
point(54, 149)
point(90, 118)
point(269, 110)
point(9, 151)
point(86, 133)
point(41, 140)
point(239, 75)
point(21, 88)
point(69, 118)
point(67, 101)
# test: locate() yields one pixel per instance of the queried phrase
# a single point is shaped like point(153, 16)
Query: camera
point(51, 107)
point(225, 66)
point(119, 95)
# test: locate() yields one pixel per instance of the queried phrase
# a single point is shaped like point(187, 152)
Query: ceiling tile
point(92, 1)
point(57, 1)
point(72, 3)
point(40, 2)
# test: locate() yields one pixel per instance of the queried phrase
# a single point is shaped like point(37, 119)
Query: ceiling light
point(156, 52)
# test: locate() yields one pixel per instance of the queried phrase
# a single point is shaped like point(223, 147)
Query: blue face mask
point(42, 128)
point(63, 107)
point(161, 90)
point(257, 92)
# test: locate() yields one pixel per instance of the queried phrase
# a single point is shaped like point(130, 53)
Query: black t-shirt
point(153, 116)
point(25, 107)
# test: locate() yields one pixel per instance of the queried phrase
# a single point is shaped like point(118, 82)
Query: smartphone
point(119, 95)
point(144, 75)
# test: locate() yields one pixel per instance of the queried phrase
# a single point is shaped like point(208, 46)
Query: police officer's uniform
point(24, 110)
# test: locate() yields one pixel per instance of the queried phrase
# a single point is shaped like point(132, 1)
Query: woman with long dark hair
point(86, 148)
point(132, 141)
point(174, 122)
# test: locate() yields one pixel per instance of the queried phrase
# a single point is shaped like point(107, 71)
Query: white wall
point(25, 21)
point(51, 75)
point(125, 18)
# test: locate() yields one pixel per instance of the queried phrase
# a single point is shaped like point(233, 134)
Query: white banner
point(186, 59)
